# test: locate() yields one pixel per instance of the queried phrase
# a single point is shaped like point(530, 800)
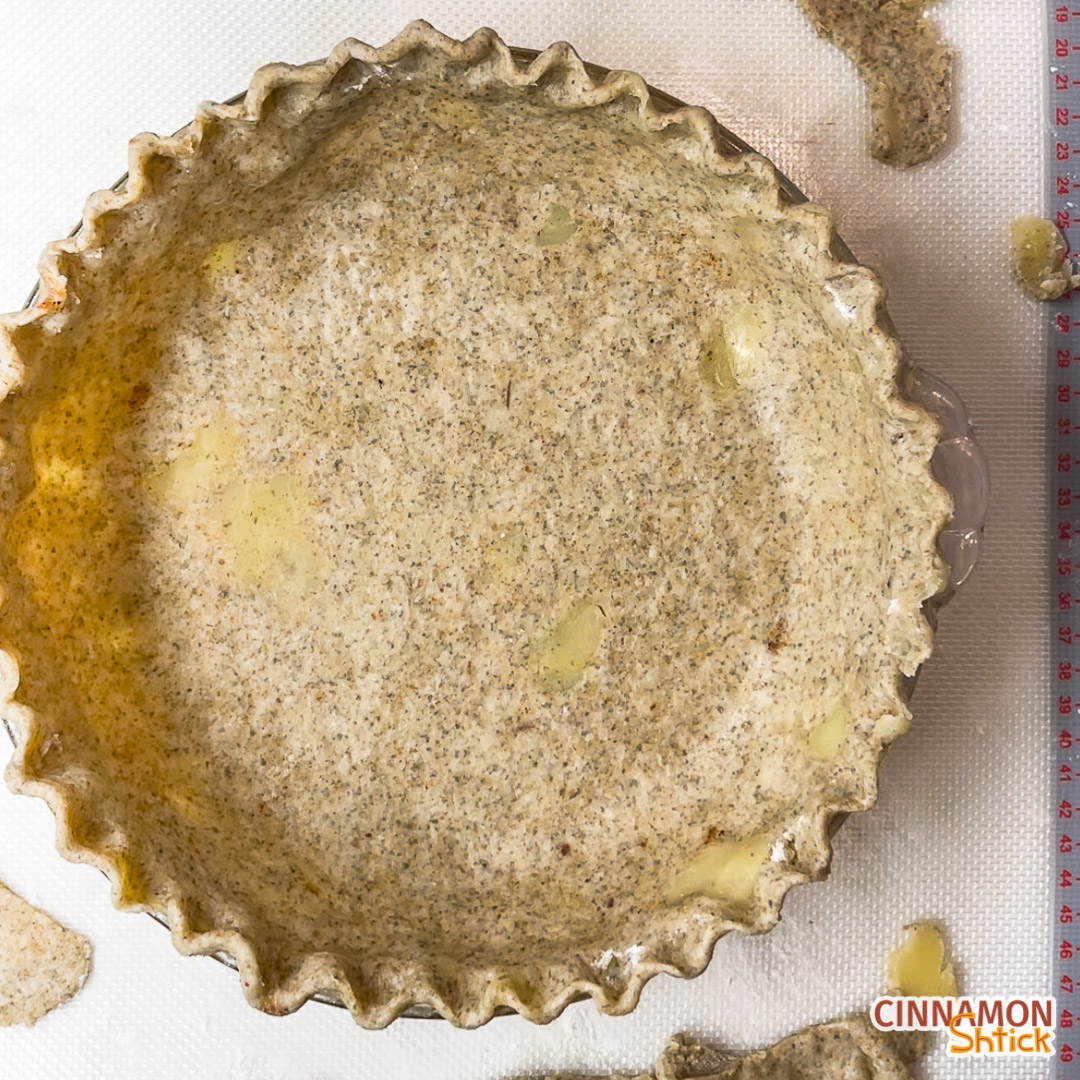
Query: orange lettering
point(956, 1034)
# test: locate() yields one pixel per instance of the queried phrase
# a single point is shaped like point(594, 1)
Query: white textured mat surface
point(960, 832)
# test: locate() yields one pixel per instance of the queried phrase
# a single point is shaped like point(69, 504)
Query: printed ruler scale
point(1062, 135)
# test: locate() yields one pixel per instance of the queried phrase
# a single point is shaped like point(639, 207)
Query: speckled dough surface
point(42, 964)
point(906, 65)
point(467, 538)
point(850, 1049)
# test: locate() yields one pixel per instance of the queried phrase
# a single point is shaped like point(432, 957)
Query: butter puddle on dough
point(561, 658)
point(726, 870)
point(261, 524)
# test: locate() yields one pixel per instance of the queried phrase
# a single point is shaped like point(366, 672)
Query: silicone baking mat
point(961, 832)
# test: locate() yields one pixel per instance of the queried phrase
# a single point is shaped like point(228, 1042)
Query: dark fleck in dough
point(908, 67)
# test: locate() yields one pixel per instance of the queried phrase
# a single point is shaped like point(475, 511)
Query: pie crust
point(464, 540)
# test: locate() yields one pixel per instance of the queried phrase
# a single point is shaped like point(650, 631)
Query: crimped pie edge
point(684, 935)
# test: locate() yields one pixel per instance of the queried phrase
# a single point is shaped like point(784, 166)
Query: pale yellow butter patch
point(506, 557)
point(918, 967)
point(262, 525)
point(1039, 258)
point(827, 735)
point(746, 329)
point(560, 659)
point(727, 870)
point(558, 228)
point(123, 637)
point(511, 546)
point(185, 803)
point(730, 351)
point(716, 363)
point(265, 524)
point(222, 259)
point(67, 477)
point(201, 468)
point(752, 233)
point(891, 726)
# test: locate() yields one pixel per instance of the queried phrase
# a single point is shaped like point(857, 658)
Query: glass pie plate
point(469, 533)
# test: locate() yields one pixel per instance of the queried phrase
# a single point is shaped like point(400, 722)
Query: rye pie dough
point(462, 536)
point(42, 964)
point(849, 1049)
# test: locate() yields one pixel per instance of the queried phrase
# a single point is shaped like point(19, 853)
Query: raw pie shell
point(463, 539)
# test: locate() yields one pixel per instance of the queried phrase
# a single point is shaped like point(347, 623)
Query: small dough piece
point(1039, 258)
point(908, 67)
point(42, 964)
point(851, 1049)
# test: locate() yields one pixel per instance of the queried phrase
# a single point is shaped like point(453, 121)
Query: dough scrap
point(42, 964)
point(908, 67)
point(849, 1049)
